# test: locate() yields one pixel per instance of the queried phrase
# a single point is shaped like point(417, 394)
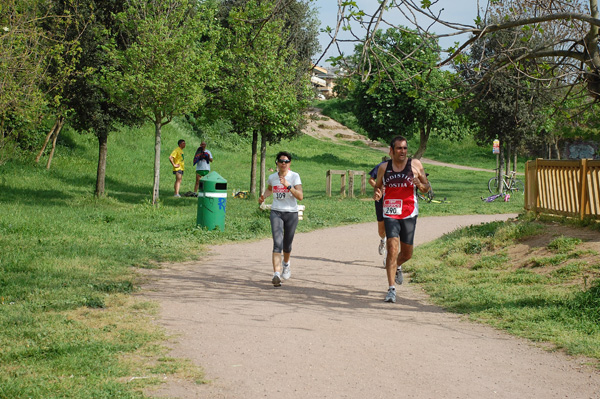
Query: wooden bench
point(351, 174)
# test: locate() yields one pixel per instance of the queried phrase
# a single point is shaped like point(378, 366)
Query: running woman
point(401, 177)
point(286, 188)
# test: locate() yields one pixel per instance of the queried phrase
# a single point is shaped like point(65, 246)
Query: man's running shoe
point(382, 246)
point(399, 277)
point(287, 273)
point(276, 280)
point(391, 295)
point(384, 261)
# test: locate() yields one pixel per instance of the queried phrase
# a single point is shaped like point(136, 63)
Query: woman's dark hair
point(285, 154)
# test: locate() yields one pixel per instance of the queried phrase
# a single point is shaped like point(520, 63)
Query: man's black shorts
point(403, 228)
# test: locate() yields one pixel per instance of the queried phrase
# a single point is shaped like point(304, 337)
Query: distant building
point(323, 81)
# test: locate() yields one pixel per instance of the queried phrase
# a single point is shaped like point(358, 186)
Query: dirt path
point(326, 333)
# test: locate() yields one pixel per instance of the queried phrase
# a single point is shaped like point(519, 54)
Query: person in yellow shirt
point(176, 159)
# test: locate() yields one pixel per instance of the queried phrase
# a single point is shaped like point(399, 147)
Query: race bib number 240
point(392, 207)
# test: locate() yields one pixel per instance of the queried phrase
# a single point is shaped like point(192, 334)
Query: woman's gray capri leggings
point(283, 227)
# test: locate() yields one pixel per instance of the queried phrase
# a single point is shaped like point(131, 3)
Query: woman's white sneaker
point(276, 280)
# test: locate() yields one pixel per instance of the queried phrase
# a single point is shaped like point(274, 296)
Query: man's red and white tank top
point(400, 198)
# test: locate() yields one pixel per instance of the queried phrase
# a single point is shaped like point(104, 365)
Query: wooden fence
point(568, 188)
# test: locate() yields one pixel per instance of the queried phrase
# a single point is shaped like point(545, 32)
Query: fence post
point(352, 182)
point(536, 192)
point(528, 186)
point(342, 174)
point(583, 193)
point(363, 184)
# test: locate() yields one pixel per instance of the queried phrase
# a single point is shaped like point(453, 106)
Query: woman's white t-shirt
point(283, 200)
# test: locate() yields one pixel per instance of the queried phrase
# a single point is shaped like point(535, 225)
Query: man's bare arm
point(420, 180)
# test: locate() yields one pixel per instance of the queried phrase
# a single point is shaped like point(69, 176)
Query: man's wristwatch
point(289, 187)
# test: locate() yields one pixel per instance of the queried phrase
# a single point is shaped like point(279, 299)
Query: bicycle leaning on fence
point(510, 184)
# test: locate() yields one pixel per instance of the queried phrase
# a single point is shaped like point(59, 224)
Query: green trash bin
point(212, 198)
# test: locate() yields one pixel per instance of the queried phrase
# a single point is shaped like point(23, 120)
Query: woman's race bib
point(279, 192)
point(392, 207)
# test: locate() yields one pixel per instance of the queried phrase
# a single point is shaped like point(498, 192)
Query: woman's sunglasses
point(284, 161)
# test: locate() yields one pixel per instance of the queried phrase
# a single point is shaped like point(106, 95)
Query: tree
point(508, 106)
point(167, 61)
point(398, 97)
point(63, 68)
point(265, 85)
point(28, 51)
point(568, 33)
point(90, 105)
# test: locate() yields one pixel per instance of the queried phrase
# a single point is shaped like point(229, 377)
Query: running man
point(401, 177)
point(286, 188)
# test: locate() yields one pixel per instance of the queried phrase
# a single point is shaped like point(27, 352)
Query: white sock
point(392, 287)
point(286, 263)
point(276, 274)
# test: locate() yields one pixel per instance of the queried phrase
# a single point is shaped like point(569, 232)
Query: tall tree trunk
point(556, 148)
point(253, 166)
point(424, 132)
point(39, 155)
point(508, 154)
point(155, 189)
point(263, 159)
point(101, 172)
point(61, 122)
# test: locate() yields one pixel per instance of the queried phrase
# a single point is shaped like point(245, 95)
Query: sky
point(462, 11)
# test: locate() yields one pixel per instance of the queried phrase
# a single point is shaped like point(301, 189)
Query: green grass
point(564, 244)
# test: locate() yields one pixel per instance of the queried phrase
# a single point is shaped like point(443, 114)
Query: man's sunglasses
point(284, 161)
